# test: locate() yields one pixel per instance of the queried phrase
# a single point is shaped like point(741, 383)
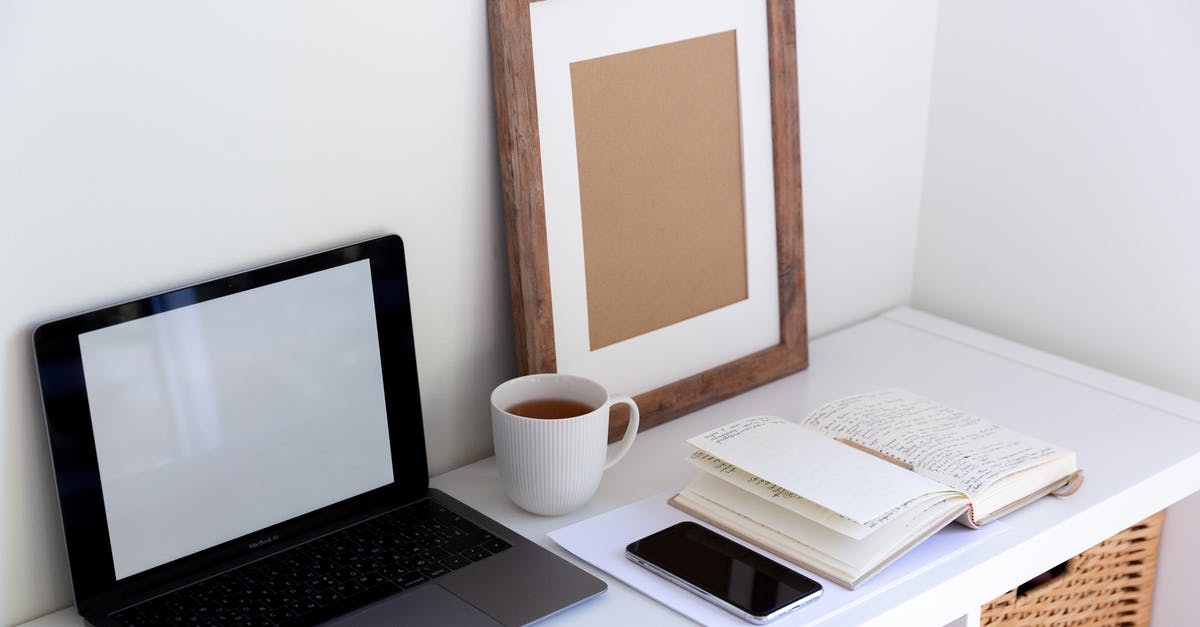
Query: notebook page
point(947, 445)
point(831, 474)
point(787, 499)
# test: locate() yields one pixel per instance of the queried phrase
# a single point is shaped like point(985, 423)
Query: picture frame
point(539, 160)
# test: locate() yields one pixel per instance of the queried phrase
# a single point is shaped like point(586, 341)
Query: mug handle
point(630, 430)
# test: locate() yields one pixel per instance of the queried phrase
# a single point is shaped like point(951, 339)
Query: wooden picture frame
point(520, 150)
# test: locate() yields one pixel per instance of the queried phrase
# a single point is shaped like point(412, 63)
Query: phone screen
point(745, 579)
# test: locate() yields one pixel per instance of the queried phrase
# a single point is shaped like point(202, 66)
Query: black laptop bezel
point(73, 447)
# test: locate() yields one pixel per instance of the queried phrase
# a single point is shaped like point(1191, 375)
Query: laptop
point(249, 451)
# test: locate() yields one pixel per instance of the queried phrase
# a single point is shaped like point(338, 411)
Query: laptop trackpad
point(427, 605)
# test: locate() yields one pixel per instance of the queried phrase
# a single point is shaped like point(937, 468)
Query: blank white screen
point(217, 419)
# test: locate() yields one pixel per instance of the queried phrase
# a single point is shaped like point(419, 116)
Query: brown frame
point(529, 271)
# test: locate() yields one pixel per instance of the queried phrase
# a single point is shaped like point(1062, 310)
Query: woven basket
point(1110, 584)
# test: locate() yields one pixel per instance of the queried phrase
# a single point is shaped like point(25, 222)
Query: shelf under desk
point(1139, 447)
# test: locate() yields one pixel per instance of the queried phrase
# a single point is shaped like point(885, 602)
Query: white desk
point(1140, 449)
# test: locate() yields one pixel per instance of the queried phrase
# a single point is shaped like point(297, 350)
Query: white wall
point(144, 145)
point(1062, 198)
point(864, 69)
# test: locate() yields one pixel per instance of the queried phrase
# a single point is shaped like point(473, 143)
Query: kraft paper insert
point(658, 138)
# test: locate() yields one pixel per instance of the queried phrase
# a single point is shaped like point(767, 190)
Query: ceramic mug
point(552, 464)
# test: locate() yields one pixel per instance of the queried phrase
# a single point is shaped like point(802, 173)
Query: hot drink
point(550, 408)
point(553, 465)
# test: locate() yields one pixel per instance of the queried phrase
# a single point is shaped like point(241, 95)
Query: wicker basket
point(1109, 584)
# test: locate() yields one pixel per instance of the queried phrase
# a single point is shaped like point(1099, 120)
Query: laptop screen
point(215, 423)
point(224, 417)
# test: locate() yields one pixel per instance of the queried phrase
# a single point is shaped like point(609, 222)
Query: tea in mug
point(550, 408)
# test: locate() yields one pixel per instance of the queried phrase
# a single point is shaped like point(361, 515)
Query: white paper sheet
point(601, 541)
point(833, 475)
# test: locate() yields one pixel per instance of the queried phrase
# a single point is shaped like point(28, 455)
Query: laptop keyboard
point(329, 576)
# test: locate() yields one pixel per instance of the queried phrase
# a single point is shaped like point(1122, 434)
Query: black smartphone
point(738, 579)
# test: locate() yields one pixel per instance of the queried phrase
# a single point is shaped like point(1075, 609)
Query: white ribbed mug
point(553, 466)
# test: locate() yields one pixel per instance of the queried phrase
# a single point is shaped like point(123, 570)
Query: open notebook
point(864, 479)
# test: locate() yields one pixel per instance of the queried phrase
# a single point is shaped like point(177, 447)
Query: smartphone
point(723, 572)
